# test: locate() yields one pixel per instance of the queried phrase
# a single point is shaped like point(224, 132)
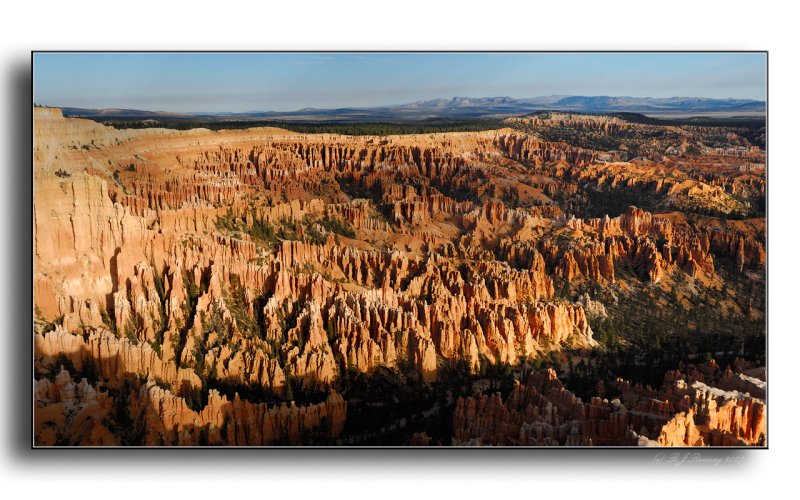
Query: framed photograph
point(399, 249)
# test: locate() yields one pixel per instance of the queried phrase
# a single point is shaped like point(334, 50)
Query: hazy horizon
point(249, 82)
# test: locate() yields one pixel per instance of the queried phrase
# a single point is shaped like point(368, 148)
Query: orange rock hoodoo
point(684, 412)
point(275, 261)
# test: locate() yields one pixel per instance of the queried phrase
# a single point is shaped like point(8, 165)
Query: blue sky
point(289, 81)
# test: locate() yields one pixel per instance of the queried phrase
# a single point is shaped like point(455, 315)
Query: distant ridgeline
point(447, 115)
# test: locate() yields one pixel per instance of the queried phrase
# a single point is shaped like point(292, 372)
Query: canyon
point(261, 287)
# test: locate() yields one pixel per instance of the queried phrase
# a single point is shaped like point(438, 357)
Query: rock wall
point(167, 421)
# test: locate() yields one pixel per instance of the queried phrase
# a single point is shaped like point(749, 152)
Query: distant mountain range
point(465, 107)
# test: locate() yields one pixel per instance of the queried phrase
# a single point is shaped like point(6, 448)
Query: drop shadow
point(19, 369)
point(19, 202)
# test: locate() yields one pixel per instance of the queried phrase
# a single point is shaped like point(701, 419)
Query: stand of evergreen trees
point(369, 128)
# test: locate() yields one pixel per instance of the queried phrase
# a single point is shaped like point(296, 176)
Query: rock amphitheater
point(216, 288)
